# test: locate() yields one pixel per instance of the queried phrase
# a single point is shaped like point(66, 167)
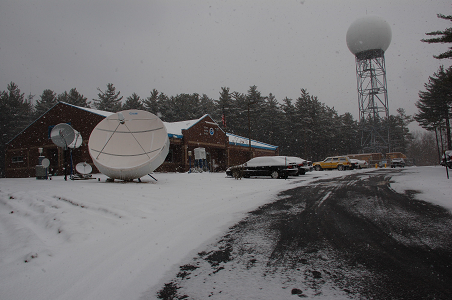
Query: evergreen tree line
point(303, 127)
point(435, 103)
point(435, 107)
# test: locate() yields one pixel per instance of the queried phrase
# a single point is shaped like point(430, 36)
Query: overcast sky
point(199, 46)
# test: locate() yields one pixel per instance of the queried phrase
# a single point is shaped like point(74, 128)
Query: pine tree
point(255, 107)
point(108, 100)
point(435, 104)
point(47, 101)
point(16, 114)
point(151, 103)
point(237, 119)
point(224, 105)
point(133, 102)
point(165, 107)
point(445, 37)
point(288, 142)
point(400, 136)
point(74, 98)
point(271, 120)
point(207, 105)
point(349, 132)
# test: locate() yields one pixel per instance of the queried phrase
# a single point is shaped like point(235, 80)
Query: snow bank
point(97, 240)
point(429, 183)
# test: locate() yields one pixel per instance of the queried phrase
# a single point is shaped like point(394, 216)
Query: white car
point(302, 164)
point(358, 163)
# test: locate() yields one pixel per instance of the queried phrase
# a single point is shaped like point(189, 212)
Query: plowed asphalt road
point(352, 237)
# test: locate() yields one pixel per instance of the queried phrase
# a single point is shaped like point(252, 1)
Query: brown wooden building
point(222, 149)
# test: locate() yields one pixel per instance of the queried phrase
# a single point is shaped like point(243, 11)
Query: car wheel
point(302, 172)
point(340, 168)
point(318, 168)
point(275, 174)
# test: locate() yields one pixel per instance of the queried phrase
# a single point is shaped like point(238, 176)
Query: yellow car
point(336, 162)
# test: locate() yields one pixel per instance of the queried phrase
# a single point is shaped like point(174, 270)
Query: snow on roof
point(92, 110)
point(174, 129)
point(243, 141)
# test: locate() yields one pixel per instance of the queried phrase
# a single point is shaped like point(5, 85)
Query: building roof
point(174, 130)
point(92, 110)
point(243, 141)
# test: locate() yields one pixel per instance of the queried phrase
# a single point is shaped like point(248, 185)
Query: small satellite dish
point(62, 135)
point(129, 144)
point(45, 163)
point(83, 168)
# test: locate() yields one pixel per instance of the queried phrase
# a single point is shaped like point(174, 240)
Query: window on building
point(17, 159)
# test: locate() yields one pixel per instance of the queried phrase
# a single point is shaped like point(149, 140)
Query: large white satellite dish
point(129, 144)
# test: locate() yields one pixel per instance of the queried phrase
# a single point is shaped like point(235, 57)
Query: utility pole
point(249, 127)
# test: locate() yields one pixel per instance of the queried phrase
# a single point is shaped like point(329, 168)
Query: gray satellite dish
point(77, 142)
point(83, 168)
point(129, 144)
point(62, 135)
point(45, 163)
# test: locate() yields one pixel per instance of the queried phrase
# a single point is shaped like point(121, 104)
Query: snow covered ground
point(91, 239)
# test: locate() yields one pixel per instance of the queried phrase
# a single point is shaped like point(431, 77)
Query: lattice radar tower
point(368, 38)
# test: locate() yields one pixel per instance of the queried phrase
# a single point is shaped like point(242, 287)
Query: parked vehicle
point(302, 164)
point(358, 163)
point(336, 162)
point(397, 162)
point(383, 164)
point(447, 159)
point(311, 168)
point(274, 166)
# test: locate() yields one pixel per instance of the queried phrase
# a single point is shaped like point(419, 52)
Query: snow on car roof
point(294, 159)
point(262, 161)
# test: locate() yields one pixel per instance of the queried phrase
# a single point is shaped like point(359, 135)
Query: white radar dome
point(368, 33)
point(129, 144)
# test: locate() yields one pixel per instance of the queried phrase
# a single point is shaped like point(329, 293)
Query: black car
point(274, 166)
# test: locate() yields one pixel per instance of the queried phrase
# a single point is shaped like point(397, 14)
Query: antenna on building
point(129, 144)
point(368, 38)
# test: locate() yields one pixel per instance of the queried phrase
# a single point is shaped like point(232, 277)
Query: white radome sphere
point(368, 33)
